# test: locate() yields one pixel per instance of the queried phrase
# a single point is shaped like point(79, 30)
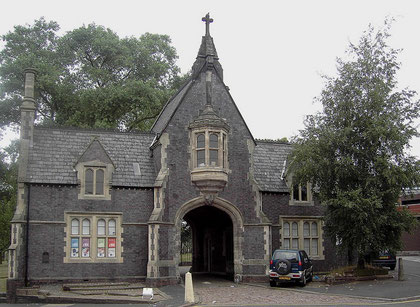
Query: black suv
point(290, 265)
point(386, 259)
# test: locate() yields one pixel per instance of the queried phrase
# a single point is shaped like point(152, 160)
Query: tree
point(8, 190)
point(88, 77)
point(354, 152)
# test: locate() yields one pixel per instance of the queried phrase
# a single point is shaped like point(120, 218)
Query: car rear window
point(292, 256)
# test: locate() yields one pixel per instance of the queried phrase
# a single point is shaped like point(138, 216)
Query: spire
point(207, 47)
point(207, 53)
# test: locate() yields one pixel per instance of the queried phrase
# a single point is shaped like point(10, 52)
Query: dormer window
point(94, 180)
point(301, 195)
point(94, 172)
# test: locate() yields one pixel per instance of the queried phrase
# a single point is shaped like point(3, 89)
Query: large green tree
point(8, 190)
point(88, 77)
point(354, 152)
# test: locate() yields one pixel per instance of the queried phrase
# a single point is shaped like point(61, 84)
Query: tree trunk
point(350, 256)
point(361, 262)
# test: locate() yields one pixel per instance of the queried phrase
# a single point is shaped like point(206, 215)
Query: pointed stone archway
point(228, 229)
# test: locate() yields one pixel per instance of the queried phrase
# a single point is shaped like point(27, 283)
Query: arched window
point(214, 149)
point(89, 181)
point(224, 151)
point(111, 228)
point(99, 182)
point(201, 150)
point(101, 227)
point(85, 227)
point(303, 234)
point(306, 230)
point(286, 229)
point(75, 226)
point(295, 231)
point(314, 230)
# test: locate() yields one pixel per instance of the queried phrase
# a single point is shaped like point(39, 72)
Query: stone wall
point(46, 232)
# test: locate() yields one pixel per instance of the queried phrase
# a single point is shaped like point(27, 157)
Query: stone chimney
point(27, 110)
point(27, 119)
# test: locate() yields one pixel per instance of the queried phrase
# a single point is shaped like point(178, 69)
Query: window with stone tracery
point(93, 238)
point(209, 149)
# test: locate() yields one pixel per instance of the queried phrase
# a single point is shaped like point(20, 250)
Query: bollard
point(189, 290)
point(400, 269)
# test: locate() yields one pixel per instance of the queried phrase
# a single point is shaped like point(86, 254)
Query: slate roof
point(56, 151)
point(170, 108)
point(269, 164)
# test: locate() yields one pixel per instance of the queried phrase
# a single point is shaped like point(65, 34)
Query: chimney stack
point(27, 110)
point(27, 119)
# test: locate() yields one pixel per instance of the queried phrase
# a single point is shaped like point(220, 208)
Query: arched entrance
point(212, 240)
point(217, 232)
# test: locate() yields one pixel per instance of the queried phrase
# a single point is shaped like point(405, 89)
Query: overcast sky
point(273, 52)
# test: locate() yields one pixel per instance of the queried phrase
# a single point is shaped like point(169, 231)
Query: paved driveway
point(385, 289)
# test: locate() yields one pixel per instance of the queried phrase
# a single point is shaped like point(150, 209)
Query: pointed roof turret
point(207, 54)
point(207, 47)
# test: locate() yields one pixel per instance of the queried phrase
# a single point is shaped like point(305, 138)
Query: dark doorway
point(212, 238)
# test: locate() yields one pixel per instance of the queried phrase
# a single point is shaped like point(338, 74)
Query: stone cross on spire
point(208, 21)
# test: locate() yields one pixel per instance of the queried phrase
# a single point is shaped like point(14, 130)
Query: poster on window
point(85, 247)
point(111, 252)
point(111, 242)
point(74, 247)
point(74, 252)
point(101, 247)
point(75, 242)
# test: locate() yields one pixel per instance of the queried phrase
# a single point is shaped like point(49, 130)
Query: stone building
point(106, 205)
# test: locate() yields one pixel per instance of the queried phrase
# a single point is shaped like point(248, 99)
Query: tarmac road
point(391, 289)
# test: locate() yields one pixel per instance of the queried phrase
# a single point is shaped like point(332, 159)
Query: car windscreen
point(291, 256)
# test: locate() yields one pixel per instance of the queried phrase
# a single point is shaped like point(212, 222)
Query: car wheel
point(303, 280)
point(392, 267)
point(273, 283)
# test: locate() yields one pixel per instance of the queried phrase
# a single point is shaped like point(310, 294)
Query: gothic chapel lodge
point(105, 205)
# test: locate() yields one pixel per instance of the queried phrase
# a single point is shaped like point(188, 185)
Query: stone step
point(104, 288)
point(70, 287)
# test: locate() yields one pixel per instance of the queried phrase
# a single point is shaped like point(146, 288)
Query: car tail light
point(300, 263)
point(271, 262)
point(296, 275)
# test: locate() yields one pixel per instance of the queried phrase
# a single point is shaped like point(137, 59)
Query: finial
point(208, 21)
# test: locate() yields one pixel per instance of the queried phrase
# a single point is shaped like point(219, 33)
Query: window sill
point(95, 197)
point(91, 260)
point(316, 258)
point(294, 202)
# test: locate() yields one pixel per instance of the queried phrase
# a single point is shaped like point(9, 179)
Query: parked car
point(289, 265)
point(385, 259)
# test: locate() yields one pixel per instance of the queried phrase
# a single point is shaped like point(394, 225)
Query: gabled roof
point(95, 151)
point(206, 57)
point(269, 165)
point(56, 151)
point(169, 109)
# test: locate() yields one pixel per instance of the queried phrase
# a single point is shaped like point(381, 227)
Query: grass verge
point(3, 276)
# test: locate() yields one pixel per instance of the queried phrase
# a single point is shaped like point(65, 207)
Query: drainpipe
point(27, 238)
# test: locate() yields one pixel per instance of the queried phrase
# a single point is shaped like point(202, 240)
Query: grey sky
point(272, 52)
